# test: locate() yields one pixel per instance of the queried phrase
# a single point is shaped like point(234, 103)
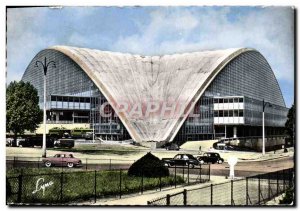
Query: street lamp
point(45, 66)
point(263, 126)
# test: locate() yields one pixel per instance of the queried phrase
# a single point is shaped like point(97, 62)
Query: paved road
point(249, 168)
point(242, 169)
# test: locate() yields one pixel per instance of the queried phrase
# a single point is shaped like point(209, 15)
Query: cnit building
point(225, 88)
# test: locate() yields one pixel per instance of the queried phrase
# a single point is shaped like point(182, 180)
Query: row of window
point(229, 113)
point(72, 99)
point(228, 100)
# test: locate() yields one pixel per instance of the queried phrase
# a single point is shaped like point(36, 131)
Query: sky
point(154, 31)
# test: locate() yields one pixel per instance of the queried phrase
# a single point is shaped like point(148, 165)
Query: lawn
point(80, 185)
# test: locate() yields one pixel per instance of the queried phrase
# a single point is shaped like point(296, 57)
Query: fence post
point(120, 183)
point(211, 194)
point(258, 189)
point(110, 164)
point(188, 175)
point(184, 197)
point(208, 172)
point(38, 163)
point(61, 185)
point(20, 189)
point(277, 189)
point(247, 191)
point(175, 176)
point(283, 179)
point(160, 180)
point(269, 184)
point(14, 163)
point(200, 173)
point(291, 177)
point(95, 186)
point(168, 199)
point(183, 172)
point(86, 164)
point(142, 185)
point(232, 192)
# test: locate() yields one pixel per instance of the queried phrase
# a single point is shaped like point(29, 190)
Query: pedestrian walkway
point(141, 199)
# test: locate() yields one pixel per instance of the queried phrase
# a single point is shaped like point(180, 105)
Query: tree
point(22, 108)
point(148, 166)
point(290, 122)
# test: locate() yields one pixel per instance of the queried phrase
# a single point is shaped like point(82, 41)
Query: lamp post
point(45, 66)
point(263, 126)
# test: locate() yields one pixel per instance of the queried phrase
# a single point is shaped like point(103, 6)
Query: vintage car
point(181, 160)
point(210, 157)
point(62, 160)
point(172, 146)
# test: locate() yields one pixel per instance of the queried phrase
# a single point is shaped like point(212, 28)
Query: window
point(221, 113)
point(241, 113)
point(231, 113)
point(236, 100)
point(215, 113)
point(230, 100)
point(221, 100)
point(241, 100)
point(225, 113)
point(235, 113)
point(225, 100)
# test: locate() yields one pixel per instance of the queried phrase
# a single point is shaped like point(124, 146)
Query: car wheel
point(70, 165)
point(48, 164)
point(220, 161)
point(201, 161)
point(191, 166)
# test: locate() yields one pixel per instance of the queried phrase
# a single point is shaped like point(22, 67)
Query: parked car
point(65, 141)
point(62, 160)
point(181, 160)
point(24, 142)
point(172, 146)
point(210, 157)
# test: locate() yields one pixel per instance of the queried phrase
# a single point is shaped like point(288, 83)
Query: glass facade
point(250, 76)
point(73, 97)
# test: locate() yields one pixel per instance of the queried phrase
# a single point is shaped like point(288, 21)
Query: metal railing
point(73, 186)
point(250, 191)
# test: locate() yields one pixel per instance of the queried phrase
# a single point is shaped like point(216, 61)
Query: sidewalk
point(141, 199)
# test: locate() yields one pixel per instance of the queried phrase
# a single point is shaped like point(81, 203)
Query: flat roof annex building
point(151, 98)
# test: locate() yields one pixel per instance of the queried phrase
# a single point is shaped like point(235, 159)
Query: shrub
point(148, 166)
point(288, 197)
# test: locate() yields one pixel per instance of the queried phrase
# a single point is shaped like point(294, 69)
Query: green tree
point(22, 108)
point(290, 122)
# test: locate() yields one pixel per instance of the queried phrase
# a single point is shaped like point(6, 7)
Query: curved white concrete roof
point(182, 78)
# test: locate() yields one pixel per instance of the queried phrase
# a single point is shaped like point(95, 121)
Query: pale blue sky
point(154, 31)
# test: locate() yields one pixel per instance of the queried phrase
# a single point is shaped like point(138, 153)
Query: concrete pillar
point(234, 131)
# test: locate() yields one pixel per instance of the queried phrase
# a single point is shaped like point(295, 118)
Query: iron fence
point(74, 186)
point(254, 190)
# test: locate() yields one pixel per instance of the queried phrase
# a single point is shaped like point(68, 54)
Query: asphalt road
point(249, 168)
point(242, 169)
